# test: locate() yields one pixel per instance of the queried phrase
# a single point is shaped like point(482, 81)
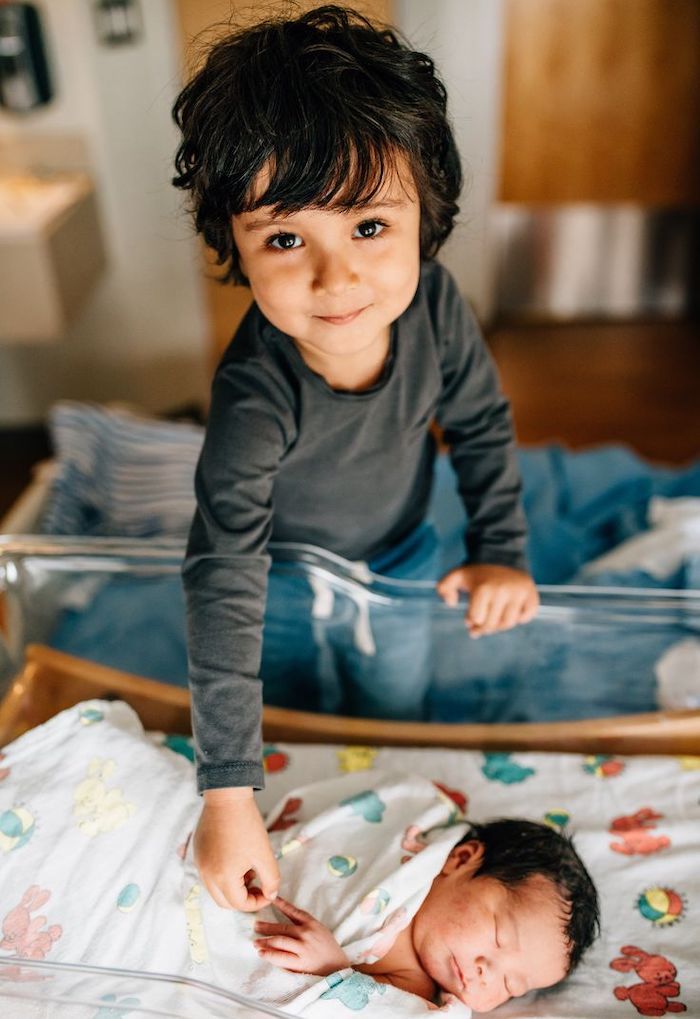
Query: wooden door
point(602, 102)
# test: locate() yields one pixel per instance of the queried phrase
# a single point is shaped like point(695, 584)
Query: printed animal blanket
point(85, 877)
point(95, 850)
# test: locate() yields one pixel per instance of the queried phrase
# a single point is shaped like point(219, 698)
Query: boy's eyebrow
point(261, 224)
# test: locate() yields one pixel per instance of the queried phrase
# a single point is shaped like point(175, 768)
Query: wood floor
point(579, 384)
point(585, 384)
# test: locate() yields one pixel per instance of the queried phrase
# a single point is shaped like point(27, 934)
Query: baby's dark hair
point(515, 850)
point(325, 103)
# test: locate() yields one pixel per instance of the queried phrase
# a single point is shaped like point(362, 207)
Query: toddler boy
point(324, 174)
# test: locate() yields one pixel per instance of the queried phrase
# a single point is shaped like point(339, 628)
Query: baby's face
point(335, 280)
point(486, 943)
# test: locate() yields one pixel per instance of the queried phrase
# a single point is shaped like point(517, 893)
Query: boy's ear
point(466, 857)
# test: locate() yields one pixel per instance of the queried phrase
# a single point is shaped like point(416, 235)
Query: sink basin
point(28, 204)
point(51, 253)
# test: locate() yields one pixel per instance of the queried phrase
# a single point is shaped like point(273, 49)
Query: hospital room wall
point(141, 335)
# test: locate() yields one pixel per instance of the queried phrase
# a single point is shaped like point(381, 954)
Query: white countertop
point(28, 205)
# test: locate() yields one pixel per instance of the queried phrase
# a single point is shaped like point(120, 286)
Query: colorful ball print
point(557, 819)
point(342, 866)
point(290, 847)
point(661, 906)
point(16, 828)
point(128, 897)
point(88, 716)
point(274, 759)
point(603, 766)
point(375, 902)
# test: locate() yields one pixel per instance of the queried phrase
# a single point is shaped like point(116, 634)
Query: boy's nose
point(334, 276)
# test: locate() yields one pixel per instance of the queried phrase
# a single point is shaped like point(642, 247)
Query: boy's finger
point(268, 876)
point(493, 616)
point(218, 896)
point(479, 605)
point(510, 616)
point(248, 900)
point(449, 589)
point(530, 608)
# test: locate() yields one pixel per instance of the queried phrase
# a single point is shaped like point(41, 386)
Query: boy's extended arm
point(475, 418)
point(225, 581)
point(225, 574)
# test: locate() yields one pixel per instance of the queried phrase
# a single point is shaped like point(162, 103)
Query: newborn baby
point(512, 910)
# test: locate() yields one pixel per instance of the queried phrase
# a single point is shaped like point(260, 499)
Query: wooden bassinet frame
point(52, 681)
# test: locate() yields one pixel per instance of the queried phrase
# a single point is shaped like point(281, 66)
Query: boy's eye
point(283, 242)
point(370, 228)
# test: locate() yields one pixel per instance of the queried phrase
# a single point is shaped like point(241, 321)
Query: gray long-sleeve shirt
point(287, 458)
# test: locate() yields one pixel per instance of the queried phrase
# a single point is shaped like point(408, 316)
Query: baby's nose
point(483, 968)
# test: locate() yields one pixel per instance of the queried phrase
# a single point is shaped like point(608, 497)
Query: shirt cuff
point(231, 775)
point(485, 556)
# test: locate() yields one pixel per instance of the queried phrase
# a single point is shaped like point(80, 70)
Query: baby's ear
point(465, 857)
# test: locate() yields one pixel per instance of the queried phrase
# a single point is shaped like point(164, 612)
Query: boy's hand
point(499, 597)
point(231, 846)
point(302, 946)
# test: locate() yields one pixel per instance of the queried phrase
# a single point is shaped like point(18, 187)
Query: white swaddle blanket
point(96, 867)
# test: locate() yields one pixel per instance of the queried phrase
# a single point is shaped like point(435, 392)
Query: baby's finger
point(280, 942)
point(267, 928)
point(293, 912)
point(285, 960)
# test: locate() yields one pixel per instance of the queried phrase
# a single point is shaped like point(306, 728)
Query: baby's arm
point(304, 945)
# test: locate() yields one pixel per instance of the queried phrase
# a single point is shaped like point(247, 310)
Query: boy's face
point(486, 943)
point(331, 279)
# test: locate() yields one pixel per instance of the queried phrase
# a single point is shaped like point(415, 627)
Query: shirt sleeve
point(225, 572)
point(475, 418)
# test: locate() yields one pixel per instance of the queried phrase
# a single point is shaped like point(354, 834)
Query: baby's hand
point(499, 597)
point(302, 946)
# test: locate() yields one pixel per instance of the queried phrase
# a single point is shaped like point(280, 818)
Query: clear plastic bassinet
point(337, 636)
point(42, 990)
point(590, 653)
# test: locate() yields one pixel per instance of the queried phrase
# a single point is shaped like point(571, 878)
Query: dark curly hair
point(515, 850)
point(324, 102)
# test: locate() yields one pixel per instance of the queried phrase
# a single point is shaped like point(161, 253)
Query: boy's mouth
point(339, 320)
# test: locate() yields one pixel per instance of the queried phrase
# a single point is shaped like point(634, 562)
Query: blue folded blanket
point(120, 475)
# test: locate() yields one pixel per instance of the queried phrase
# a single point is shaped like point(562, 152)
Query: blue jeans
point(325, 650)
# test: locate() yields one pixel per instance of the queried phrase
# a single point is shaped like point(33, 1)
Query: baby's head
point(323, 111)
point(513, 910)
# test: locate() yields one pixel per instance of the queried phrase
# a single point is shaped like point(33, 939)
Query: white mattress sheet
point(94, 862)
